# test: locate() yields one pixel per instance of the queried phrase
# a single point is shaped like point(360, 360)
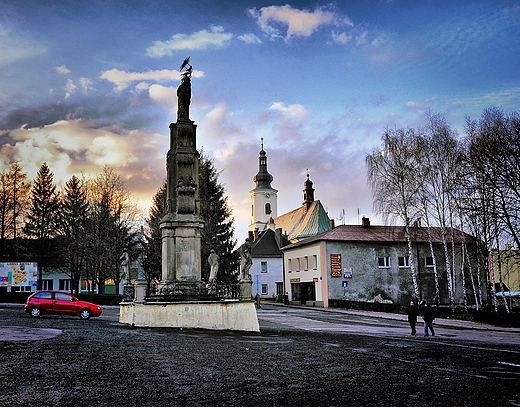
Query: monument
point(182, 298)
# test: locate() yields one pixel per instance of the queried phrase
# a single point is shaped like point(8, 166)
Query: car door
point(64, 304)
point(44, 300)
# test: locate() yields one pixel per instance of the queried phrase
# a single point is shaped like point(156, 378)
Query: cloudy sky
point(89, 83)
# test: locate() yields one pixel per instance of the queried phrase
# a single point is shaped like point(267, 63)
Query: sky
point(84, 84)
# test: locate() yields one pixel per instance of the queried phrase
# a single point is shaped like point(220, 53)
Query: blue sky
point(89, 83)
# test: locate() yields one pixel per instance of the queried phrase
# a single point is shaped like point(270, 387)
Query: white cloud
point(299, 23)
point(163, 95)
point(123, 79)
point(85, 84)
point(78, 147)
point(70, 88)
point(295, 111)
point(13, 49)
point(341, 38)
point(250, 39)
point(62, 70)
point(201, 40)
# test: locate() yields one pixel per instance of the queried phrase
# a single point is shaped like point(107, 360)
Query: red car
point(59, 302)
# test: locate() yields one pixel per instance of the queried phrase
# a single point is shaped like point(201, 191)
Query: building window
point(264, 267)
point(404, 261)
point(384, 262)
point(315, 262)
point(298, 264)
point(64, 285)
point(306, 263)
point(428, 261)
point(265, 289)
point(267, 208)
point(289, 265)
point(47, 285)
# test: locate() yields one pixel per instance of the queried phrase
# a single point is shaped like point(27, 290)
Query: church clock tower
point(263, 197)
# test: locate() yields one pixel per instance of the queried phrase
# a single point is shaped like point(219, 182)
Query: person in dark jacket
point(428, 316)
point(412, 312)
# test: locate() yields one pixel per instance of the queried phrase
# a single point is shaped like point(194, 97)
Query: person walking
point(428, 317)
point(413, 312)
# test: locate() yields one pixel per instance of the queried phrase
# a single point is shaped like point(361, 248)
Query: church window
point(267, 208)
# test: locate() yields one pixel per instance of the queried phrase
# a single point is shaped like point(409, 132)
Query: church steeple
point(308, 193)
point(263, 179)
point(264, 196)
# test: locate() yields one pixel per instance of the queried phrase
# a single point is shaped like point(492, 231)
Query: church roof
point(300, 223)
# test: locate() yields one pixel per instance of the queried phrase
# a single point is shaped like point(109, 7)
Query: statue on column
point(246, 262)
point(184, 91)
point(125, 265)
point(213, 262)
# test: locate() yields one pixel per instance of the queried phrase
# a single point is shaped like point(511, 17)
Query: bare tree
point(391, 174)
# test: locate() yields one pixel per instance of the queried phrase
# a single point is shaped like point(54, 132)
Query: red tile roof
point(390, 234)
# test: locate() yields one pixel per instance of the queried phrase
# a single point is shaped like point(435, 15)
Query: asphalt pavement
point(64, 361)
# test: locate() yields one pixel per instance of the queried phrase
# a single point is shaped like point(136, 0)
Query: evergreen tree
point(152, 251)
point(73, 219)
point(41, 224)
point(218, 232)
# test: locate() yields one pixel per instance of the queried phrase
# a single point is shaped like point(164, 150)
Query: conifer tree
point(152, 258)
point(41, 224)
point(73, 221)
point(218, 232)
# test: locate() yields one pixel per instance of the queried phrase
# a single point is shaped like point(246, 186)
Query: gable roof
point(266, 245)
point(300, 223)
point(382, 234)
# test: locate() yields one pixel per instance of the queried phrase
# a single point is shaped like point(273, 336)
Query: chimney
point(417, 223)
point(332, 225)
point(365, 222)
point(278, 237)
point(255, 235)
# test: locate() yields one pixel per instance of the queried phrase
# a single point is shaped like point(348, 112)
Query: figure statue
point(125, 262)
point(213, 262)
point(246, 262)
point(184, 91)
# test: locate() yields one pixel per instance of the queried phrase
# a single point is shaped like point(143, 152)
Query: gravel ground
point(63, 361)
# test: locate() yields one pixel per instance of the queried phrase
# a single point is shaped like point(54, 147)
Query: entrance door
point(308, 292)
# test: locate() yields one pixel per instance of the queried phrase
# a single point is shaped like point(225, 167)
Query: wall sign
point(335, 265)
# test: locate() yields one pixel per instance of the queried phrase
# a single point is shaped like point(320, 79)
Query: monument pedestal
point(222, 315)
point(246, 290)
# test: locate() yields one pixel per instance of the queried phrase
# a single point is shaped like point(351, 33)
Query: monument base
point(221, 315)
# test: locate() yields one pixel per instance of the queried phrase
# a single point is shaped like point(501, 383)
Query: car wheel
point(36, 312)
point(85, 314)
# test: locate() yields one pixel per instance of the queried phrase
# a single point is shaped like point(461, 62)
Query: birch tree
point(391, 175)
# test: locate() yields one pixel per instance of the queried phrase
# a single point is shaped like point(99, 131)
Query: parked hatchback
point(59, 302)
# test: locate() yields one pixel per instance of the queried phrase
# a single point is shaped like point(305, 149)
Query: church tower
point(264, 197)
point(308, 193)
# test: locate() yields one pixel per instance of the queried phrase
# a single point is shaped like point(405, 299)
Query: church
point(268, 232)
point(303, 254)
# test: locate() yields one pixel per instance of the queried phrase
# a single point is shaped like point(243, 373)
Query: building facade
point(372, 264)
